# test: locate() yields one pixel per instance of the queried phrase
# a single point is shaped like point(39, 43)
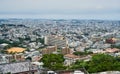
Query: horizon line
point(59, 18)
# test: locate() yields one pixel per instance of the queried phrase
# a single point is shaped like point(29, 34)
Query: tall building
point(56, 40)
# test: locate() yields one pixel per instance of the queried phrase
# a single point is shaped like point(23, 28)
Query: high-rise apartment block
point(59, 41)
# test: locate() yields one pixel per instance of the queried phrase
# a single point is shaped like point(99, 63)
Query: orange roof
point(15, 50)
point(112, 50)
point(71, 56)
point(114, 39)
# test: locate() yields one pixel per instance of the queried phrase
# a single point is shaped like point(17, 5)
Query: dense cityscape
point(59, 46)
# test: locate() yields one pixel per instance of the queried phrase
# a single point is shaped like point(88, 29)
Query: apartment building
point(56, 40)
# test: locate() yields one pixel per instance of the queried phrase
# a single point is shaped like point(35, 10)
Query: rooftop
point(15, 50)
point(16, 67)
point(71, 56)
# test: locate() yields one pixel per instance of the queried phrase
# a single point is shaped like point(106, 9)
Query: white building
point(56, 40)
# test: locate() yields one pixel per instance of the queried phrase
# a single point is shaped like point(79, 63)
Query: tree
point(78, 64)
point(7, 47)
point(8, 73)
point(15, 44)
point(102, 58)
point(3, 51)
point(99, 63)
point(79, 53)
point(53, 61)
point(13, 60)
point(115, 46)
point(41, 40)
point(103, 62)
point(29, 59)
point(82, 53)
point(4, 41)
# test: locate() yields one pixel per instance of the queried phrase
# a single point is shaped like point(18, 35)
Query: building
point(2, 46)
point(10, 58)
point(18, 67)
point(112, 50)
point(56, 40)
point(108, 72)
point(3, 59)
point(19, 57)
point(49, 50)
point(15, 50)
point(78, 72)
point(70, 59)
point(65, 50)
point(111, 40)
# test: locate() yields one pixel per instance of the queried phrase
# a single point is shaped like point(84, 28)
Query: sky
point(61, 9)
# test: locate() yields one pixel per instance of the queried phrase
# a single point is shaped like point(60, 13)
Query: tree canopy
point(53, 61)
point(82, 53)
point(99, 63)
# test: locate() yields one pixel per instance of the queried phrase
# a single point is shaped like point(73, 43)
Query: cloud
point(60, 7)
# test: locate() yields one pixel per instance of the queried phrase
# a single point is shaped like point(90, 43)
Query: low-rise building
point(49, 50)
point(70, 59)
point(112, 50)
point(18, 67)
point(66, 50)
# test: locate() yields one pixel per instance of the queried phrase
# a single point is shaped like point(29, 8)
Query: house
point(78, 72)
point(70, 59)
point(111, 40)
point(3, 45)
point(112, 50)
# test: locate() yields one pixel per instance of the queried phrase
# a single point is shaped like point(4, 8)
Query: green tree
point(78, 64)
point(3, 51)
point(8, 73)
point(82, 53)
point(53, 61)
point(102, 58)
point(41, 40)
point(4, 41)
point(99, 63)
point(13, 60)
point(15, 44)
point(7, 47)
point(29, 58)
point(103, 62)
point(115, 46)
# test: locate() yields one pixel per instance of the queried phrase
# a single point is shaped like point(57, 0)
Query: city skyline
point(61, 9)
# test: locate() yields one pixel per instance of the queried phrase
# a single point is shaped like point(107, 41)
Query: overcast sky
point(68, 9)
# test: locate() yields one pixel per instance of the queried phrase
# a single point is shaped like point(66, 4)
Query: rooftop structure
point(111, 40)
point(112, 50)
point(19, 67)
point(15, 50)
